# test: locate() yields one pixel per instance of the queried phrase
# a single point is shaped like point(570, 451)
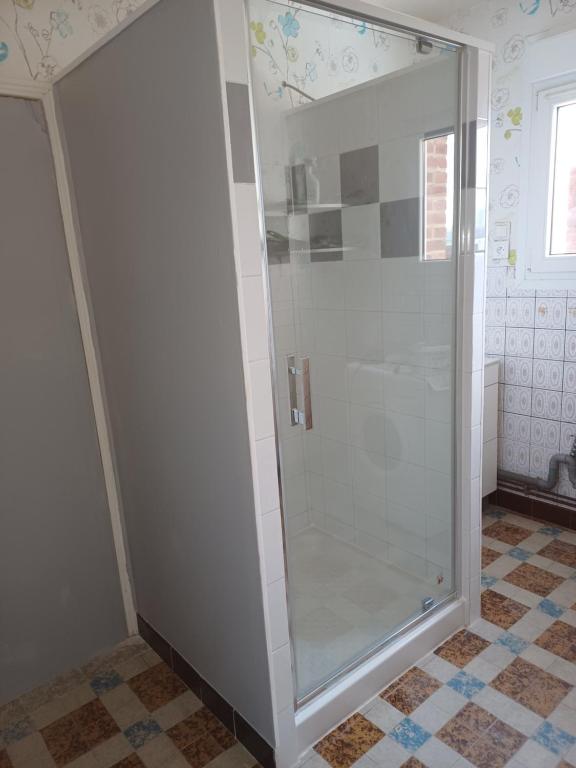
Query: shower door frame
point(317, 712)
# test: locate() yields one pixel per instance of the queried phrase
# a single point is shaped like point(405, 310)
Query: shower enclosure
point(362, 161)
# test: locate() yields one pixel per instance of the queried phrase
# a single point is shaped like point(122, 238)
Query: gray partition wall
point(60, 600)
point(143, 125)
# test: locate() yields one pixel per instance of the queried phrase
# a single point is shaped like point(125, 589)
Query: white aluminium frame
point(550, 80)
point(43, 92)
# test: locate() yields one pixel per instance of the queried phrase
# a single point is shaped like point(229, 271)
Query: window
point(561, 225)
point(438, 196)
point(547, 202)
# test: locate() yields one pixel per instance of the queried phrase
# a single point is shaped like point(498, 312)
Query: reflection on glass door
point(356, 129)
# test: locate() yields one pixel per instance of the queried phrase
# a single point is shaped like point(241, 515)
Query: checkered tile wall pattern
point(338, 183)
point(533, 333)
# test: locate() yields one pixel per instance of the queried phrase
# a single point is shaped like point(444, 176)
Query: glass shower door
point(357, 142)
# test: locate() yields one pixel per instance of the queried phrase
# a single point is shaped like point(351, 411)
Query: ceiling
point(432, 10)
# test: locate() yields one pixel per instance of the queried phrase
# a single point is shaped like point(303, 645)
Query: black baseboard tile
point(155, 640)
point(217, 704)
point(187, 674)
point(254, 743)
point(539, 506)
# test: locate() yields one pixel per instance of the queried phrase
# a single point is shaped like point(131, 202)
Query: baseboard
point(217, 704)
point(549, 507)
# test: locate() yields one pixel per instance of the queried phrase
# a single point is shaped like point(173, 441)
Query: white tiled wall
point(532, 336)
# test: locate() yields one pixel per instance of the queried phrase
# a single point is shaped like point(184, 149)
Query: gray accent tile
point(277, 242)
point(400, 228)
point(240, 132)
point(326, 233)
point(359, 176)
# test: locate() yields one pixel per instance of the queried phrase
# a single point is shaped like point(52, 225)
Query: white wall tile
point(256, 318)
point(282, 678)
point(278, 614)
point(273, 547)
point(261, 399)
point(549, 345)
point(266, 461)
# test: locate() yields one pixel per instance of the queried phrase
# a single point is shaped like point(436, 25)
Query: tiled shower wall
point(350, 292)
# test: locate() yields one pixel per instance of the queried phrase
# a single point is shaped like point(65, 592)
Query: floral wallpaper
point(293, 45)
point(533, 333)
point(40, 37)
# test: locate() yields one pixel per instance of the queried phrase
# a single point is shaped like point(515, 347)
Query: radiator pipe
point(553, 473)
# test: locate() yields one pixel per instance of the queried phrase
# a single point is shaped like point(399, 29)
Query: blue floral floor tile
point(550, 530)
point(550, 608)
point(16, 732)
point(105, 682)
point(465, 684)
point(141, 732)
point(487, 581)
point(409, 735)
point(554, 739)
point(513, 643)
point(520, 554)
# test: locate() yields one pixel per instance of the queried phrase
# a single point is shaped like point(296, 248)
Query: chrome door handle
point(297, 415)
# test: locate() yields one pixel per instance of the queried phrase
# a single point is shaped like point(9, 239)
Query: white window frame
point(550, 81)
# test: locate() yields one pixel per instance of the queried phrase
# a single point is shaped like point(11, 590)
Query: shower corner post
point(249, 256)
point(474, 148)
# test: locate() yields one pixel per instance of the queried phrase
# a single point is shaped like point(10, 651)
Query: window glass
point(438, 158)
point(562, 215)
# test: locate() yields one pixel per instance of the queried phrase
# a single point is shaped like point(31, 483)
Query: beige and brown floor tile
point(560, 639)
point(480, 737)
point(501, 610)
point(534, 579)
point(412, 762)
point(156, 686)
point(489, 555)
point(411, 690)
point(462, 647)
point(561, 552)
point(347, 743)
point(201, 737)
point(132, 761)
point(531, 686)
point(506, 532)
point(72, 736)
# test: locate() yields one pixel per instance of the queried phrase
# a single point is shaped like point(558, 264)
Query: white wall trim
point(23, 89)
point(91, 356)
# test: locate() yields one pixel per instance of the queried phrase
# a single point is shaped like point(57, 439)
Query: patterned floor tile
point(157, 686)
point(510, 534)
point(347, 743)
point(534, 579)
point(411, 690)
point(132, 761)
point(502, 693)
point(559, 639)
point(72, 736)
point(462, 647)
point(488, 556)
point(501, 610)
point(560, 552)
point(531, 686)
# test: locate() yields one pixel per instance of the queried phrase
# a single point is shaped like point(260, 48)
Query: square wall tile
point(326, 236)
point(400, 228)
point(359, 176)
